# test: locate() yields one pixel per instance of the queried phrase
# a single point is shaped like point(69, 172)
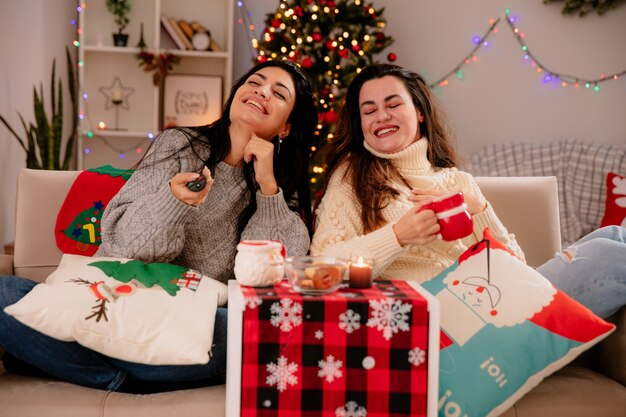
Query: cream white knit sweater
point(339, 230)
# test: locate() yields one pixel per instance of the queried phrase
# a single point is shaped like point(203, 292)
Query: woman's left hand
point(261, 153)
point(475, 204)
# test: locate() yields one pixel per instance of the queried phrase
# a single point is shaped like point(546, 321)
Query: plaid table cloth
point(349, 353)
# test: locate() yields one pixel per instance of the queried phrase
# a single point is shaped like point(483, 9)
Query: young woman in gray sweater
point(254, 160)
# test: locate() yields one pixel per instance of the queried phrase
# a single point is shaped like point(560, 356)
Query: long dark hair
point(370, 176)
point(291, 157)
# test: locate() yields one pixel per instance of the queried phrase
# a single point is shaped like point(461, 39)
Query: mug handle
point(429, 206)
point(283, 251)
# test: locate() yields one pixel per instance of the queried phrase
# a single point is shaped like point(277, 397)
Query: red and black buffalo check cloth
point(351, 353)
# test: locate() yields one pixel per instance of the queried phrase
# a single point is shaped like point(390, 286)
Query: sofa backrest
point(580, 167)
point(529, 208)
point(40, 195)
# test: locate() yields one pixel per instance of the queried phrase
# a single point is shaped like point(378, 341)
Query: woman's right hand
point(417, 227)
point(178, 187)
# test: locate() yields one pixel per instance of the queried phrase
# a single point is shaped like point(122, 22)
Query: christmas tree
point(332, 41)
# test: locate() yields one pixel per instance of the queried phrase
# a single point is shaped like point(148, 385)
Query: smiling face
point(264, 102)
point(389, 119)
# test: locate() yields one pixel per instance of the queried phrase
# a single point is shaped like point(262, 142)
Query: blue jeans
point(592, 270)
point(74, 363)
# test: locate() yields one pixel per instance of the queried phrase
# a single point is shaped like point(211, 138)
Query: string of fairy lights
point(549, 75)
point(245, 19)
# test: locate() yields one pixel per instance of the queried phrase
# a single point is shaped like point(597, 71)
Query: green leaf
point(71, 83)
point(42, 127)
point(52, 81)
point(57, 132)
point(8, 126)
point(112, 171)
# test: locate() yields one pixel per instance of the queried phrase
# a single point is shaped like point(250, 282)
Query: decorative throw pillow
point(615, 210)
point(150, 313)
point(77, 230)
point(504, 328)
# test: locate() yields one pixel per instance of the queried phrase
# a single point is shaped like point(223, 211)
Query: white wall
point(502, 99)
point(32, 34)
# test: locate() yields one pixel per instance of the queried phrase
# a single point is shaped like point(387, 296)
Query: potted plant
point(120, 9)
point(43, 138)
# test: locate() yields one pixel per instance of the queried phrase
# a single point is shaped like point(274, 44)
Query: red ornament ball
point(275, 23)
point(261, 58)
point(391, 57)
point(329, 45)
point(330, 117)
point(307, 63)
point(316, 36)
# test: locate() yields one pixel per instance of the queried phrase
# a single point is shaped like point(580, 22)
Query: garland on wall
point(548, 75)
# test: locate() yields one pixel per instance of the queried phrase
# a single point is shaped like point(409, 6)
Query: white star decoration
point(116, 92)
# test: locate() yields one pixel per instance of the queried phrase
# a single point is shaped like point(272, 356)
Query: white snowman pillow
point(150, 313)
point(504, 328)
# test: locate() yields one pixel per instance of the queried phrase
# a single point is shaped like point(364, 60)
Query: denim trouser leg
point(65, 360)
point(593, 270)
point(183, 373)
point(72, 362)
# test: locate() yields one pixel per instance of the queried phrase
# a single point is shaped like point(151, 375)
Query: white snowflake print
point(417, 356)
point(349, 321)
point(319, 334)
point(330, 368)
point(389, 315)
point(281, 374)
point(253, 302)
point(351, 409)
point(287, 314)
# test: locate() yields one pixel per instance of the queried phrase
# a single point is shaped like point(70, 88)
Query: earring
point(280, 141)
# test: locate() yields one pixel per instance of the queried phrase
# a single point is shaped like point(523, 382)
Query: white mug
point(259, 263)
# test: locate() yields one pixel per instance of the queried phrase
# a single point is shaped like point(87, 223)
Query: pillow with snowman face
point(504, 328)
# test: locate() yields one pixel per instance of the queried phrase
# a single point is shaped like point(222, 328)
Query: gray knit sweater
point(145, 221)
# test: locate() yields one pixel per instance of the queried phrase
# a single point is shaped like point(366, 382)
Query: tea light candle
point(360, 274)
point(116, 96)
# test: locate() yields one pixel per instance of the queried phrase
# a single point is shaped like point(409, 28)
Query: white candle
point(116, 96)
point(360, 274)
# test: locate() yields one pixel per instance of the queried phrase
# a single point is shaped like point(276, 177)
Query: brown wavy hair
point(370, 176)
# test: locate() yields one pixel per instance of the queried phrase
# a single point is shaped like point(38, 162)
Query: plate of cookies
point(315, 275)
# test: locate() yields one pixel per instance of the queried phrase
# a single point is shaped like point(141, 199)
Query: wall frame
point(191, 100)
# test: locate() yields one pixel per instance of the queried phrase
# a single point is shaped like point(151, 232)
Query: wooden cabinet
point(120, 105)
